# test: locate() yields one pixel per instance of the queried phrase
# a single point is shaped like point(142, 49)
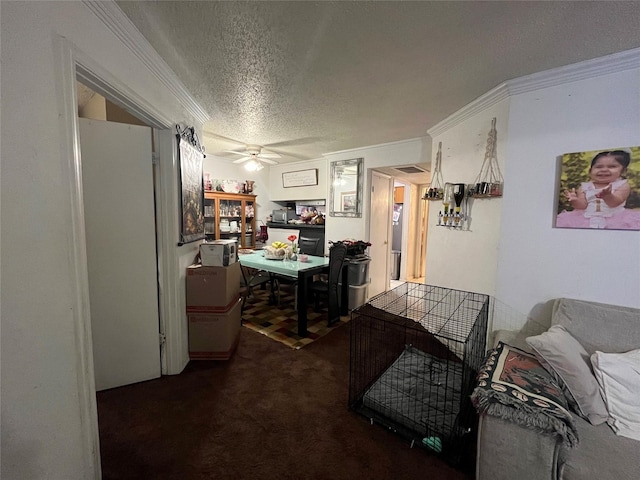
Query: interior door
point(117, 181)
point(379, 233)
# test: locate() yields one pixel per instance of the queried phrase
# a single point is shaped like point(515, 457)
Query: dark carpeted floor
point(268, 413)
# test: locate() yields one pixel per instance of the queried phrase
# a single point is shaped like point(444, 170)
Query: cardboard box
point(212, 289)
point(214, 336)
point(219, 253)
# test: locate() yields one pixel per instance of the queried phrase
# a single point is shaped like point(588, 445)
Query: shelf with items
point(435, 190)
point(457, 198)
point(230, 215)
point(456, 206)
point(489, 181)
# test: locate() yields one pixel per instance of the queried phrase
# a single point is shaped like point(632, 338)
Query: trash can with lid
point(359, 270)
point(395, 264)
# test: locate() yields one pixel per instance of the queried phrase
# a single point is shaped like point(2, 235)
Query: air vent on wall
point(410, 169)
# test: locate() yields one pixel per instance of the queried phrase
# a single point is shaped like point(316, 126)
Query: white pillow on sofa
point(618, 375)
point(563, 356)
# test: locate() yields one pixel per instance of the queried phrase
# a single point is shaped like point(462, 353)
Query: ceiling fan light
point(253, 165)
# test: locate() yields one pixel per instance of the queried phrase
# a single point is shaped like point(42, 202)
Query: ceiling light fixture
point(253, 165)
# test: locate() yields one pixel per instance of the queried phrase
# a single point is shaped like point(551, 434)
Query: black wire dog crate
point(414, 356)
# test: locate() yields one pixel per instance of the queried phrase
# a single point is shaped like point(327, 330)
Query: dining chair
point(329, 289)
point(306, 246)
point(252, 278)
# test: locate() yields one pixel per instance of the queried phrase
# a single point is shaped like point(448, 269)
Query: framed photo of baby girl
point(600, 189)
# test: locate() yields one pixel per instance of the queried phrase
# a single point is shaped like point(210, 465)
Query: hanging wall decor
point(190, 161)
point(489, 181)
point(435, 190)
point(600, 189)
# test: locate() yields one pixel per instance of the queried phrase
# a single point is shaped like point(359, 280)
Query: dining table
point(303, 272)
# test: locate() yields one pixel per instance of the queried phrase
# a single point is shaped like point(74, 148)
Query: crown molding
point(379, 145)
point(115, 20)
point(481, 103)
point(614, 63)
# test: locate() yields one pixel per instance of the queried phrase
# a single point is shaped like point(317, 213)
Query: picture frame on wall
point(599, 189)
point(190, 159)
point(348, 201)
point(300, 178)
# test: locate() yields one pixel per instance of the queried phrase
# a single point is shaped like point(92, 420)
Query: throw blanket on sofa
point(514, 386)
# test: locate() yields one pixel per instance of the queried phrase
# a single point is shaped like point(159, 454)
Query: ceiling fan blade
point(298, 142)
point(237, 152)
point(266, 160)
point(241, 160)
point(282, 153)
point(269, 155)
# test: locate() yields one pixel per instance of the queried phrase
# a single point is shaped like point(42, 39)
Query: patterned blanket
point(514, 386)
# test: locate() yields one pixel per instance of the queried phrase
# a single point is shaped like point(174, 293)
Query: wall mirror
point(346, 188)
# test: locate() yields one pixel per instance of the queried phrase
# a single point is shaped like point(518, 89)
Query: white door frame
point(73, 64)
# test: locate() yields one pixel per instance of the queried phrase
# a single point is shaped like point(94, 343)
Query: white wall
point(460, 258)
point(48, 431)
point(537, 262)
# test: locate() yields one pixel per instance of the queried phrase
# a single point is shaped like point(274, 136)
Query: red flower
point(291, 238)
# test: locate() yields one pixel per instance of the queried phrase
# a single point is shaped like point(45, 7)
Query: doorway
point(72, 64)
point(119, 217)
point(407, 219)
point(121, 256)
point(398, 234)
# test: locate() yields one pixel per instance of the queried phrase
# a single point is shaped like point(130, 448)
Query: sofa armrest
point(506, 451)
point(510, 337)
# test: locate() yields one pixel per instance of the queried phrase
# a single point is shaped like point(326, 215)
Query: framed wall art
point(348, 201)
point(300, 178)
point(599, 189)
point(190, 160)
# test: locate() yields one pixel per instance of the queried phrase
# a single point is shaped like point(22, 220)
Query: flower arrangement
point(294, 247)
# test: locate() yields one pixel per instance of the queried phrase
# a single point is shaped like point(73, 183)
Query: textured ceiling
point(307, 78)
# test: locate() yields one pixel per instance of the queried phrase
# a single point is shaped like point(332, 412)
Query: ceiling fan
point(260, 150)
point(256, 156)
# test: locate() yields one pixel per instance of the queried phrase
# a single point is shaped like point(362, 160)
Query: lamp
point(253, 165)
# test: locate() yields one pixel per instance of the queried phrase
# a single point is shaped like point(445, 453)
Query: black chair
point(329, 290)
point(252, 278)
point(308, 246)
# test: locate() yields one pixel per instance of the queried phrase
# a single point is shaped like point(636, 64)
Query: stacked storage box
point(358, 280)
point(214, 310)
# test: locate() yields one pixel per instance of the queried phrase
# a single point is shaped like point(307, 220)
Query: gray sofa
point(506, 450)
